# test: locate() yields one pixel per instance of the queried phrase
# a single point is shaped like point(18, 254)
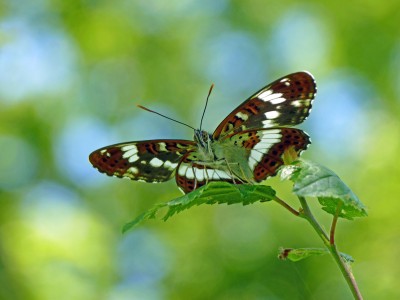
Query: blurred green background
point(71, 73)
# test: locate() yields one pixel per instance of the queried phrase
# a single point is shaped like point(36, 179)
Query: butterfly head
point(202, 137)
point(204, 140)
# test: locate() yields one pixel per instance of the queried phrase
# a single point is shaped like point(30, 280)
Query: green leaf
point(149, 214)
point(302, 253)
point(314, 180)
point(212, 193)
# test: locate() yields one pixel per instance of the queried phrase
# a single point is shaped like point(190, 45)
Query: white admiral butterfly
point(246, 147)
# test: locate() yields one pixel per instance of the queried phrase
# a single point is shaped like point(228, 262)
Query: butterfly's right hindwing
point(191, 175)
point(149, 161)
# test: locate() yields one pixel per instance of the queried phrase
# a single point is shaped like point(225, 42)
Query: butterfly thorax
point(204, 142)
point(219, 154)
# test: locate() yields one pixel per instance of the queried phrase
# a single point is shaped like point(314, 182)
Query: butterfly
point(246, 147)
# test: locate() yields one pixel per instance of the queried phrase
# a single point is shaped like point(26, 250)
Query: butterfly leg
point(243, 177)
point(206, 174)
point(195, 170)
point(194, 176)
point(248, 180)
point(234, 176)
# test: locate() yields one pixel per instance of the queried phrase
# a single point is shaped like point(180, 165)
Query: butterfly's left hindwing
point(149, 161)
point(265, 149)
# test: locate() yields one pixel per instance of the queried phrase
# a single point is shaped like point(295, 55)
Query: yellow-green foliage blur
point(71, 73)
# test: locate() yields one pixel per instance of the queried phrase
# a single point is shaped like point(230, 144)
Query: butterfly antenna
point(205, 107)
point(157, 113)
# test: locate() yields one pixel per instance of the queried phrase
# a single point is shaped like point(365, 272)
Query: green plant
point(309, 180)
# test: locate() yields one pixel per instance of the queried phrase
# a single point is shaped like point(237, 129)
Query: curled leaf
point(314, 180)
point(302, 253)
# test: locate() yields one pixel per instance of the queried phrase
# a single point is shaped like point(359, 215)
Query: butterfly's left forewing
point(149, 161)
point(285, 102)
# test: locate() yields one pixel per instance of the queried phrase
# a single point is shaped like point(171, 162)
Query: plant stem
point(334, 222)
point(307, 214)
point(346, 271)
point(330, 244)
point(287, 206)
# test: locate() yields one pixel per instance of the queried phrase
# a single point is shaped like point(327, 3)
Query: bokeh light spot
point(18, 163)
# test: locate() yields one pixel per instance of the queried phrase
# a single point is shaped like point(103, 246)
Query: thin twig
point(334, 222)
point(287, 206)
